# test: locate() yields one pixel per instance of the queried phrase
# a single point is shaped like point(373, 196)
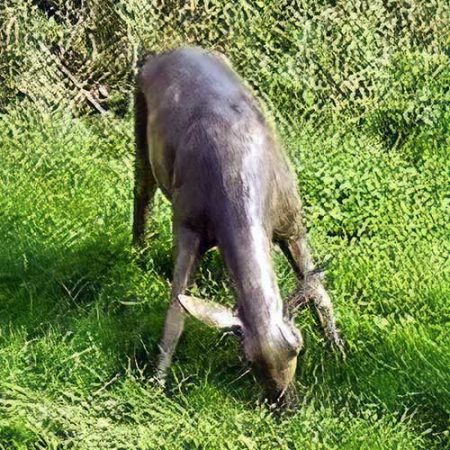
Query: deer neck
point(247, 256)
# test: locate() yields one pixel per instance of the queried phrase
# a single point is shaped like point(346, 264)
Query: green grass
point(80, 318)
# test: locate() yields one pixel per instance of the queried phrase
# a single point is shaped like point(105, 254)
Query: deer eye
point(298, 339)
point(238, 332)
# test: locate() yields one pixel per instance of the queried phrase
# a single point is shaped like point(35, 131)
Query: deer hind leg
point(145, 187)
point(299, 255)
point(144, 181)
point(187, 255)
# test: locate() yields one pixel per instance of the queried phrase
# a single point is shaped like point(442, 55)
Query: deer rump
point(202, 139)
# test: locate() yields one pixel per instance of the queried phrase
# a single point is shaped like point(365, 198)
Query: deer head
point(272, 349)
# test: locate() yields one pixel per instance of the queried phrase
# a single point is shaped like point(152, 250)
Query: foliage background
point(359, 91)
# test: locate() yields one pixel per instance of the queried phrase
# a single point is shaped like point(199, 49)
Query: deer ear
point(292, 338)
point(210, 313)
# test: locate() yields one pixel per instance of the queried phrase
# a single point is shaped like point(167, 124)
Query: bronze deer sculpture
point(203, 140)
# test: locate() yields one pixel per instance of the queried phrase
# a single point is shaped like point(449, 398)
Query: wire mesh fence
point(381, 63)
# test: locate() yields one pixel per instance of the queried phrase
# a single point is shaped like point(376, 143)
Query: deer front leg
point(187, 254)
point(299, 255)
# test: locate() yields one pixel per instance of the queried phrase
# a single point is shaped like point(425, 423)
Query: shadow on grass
point(96, 288)
point(97, 291)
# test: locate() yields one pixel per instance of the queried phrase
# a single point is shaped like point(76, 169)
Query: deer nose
point(275, 389)
point(276, 396)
